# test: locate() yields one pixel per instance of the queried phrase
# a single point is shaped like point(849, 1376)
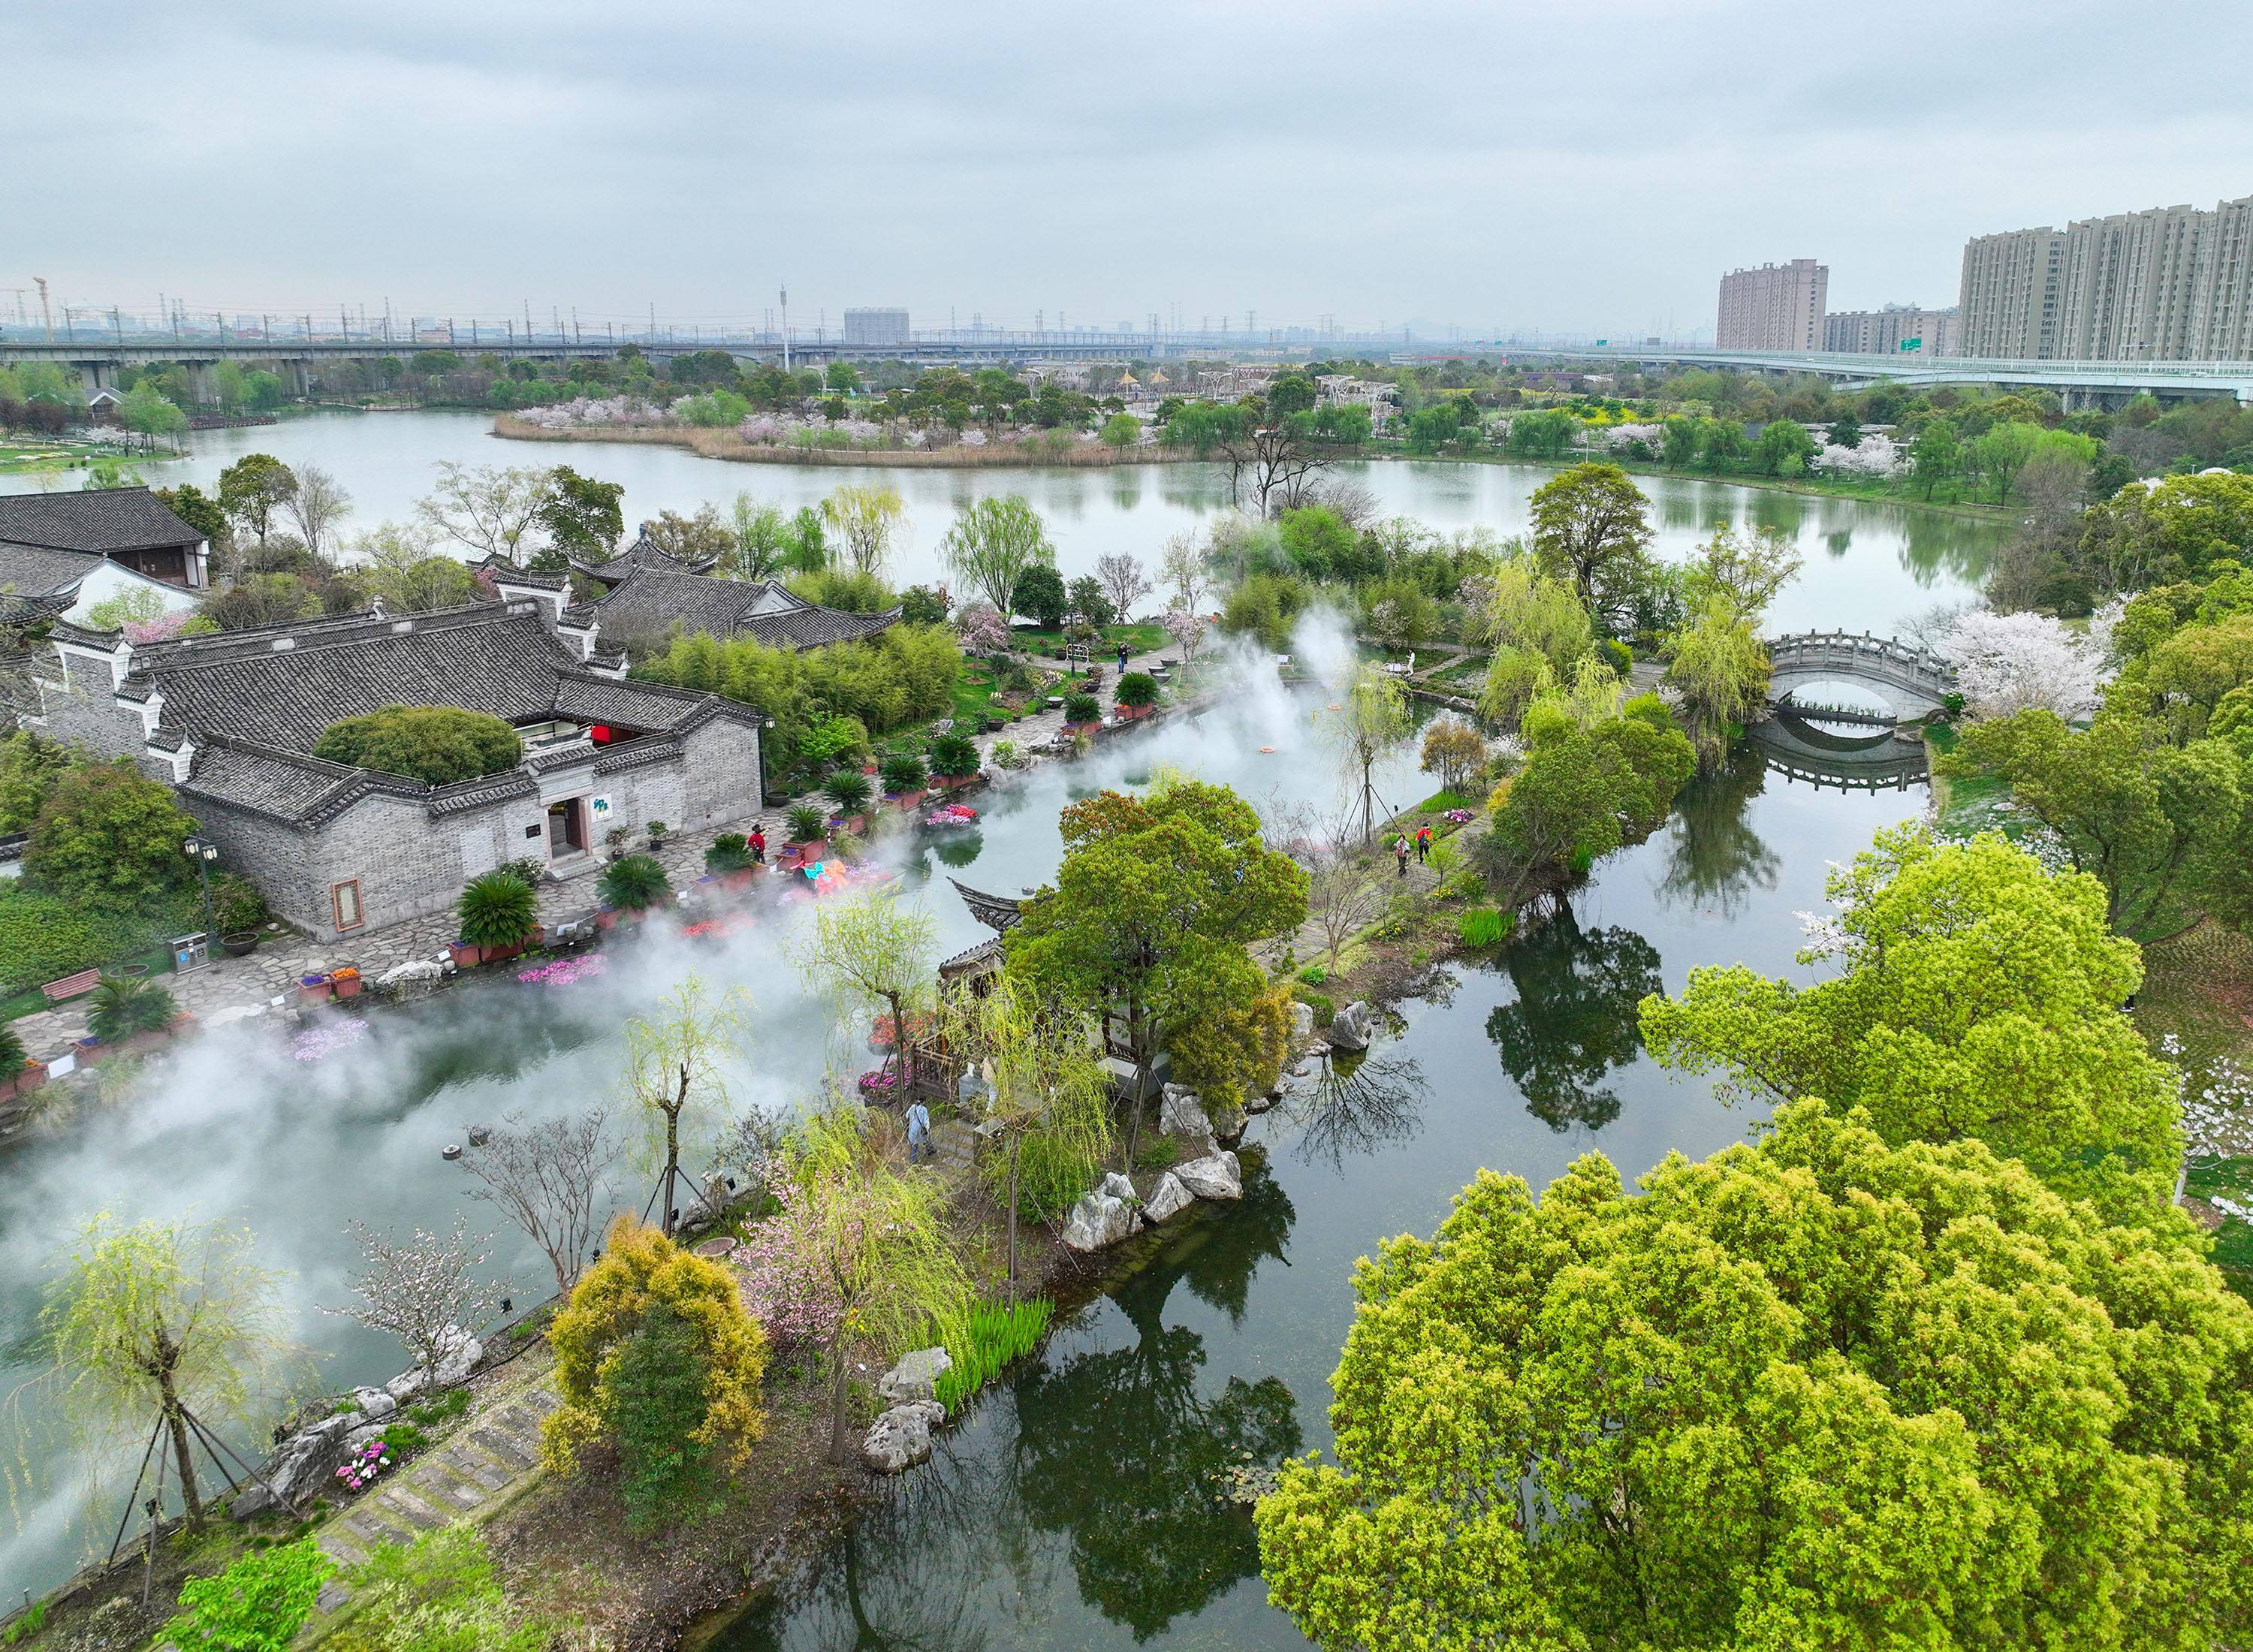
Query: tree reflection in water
point(1573, 1020)
point(1120, 1451)
point(1714, 858)
point(1359, 1103)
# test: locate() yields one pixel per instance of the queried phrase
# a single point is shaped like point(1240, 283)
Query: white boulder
point(1355, 1025)
point(1115, 1186)
point(1098, 1220)
point(1302, 1022)
point(375, 1403)
point(1168, 1198)
point(1179, 1113)
point(1215, 1176)
point(901, 1436)
point(916, 1377)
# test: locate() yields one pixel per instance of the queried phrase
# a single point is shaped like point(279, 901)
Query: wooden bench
point(72, 985)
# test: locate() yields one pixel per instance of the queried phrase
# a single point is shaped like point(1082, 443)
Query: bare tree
point(1276, 464)
point(1355, 504)
point(317, 505)
point(1343, 898)
point(675, 1068)
point(546, 1178)
point(1123, 581)
point(486, 508)
point(1183, 567)
point(428, 1292)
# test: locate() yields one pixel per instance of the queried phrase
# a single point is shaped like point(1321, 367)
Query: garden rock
point(915, 1377)
point(1261, 1103)
point(1228, 1124)
point(1302, 1022)
point(361, 1435)
point(407, 1384)
point(1118, 1187)
point(1353, 1026)
point(374, 1404)
point(901, 1436)
point(1216, 1176)
point(1168, 1198)
point(1098, 1220)
point(459, 1362)
point(1179, 1113)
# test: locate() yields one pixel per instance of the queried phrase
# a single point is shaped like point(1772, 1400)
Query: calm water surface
point(1073, 1507)
point(1868, 565)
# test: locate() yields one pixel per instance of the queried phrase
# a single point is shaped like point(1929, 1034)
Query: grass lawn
point(1471, 670)
point(1144, 637)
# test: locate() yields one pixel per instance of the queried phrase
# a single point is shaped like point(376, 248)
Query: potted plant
point(345, 982)
point(130, 1013)
point(615, 840)
point(905, 779)
point(954, 760)
point(849, 792)
point(729, 861)
point(634, 884)
point(657, 830)
point(14, 1064)
point(314, 988)
point(1136, 693)
point(1082, 712)
point(809, 825)
point(499, 912)
point(239, 944)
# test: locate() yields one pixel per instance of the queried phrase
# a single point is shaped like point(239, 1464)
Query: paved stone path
point(1047, 723)
point(492, 1451)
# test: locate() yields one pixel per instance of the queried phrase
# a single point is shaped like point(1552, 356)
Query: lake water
point(1073, 1507)
point(1869, 566)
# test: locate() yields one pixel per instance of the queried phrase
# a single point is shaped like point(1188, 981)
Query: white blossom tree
point(485, 507)
point(1877, 456)
point(1187, 630)
point(2007, 663)
point(430, 1290)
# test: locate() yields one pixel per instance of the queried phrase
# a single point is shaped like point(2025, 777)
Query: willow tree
point(856, 1257)
point(1720, 672)
point(1046, 1084)
point(169, 1327)
point(868, 519)
point(993, 544)
point(1371, 718)
point(676, 1071)
point(872, 950)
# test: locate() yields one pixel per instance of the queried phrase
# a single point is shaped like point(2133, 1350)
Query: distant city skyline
point(1507, 169)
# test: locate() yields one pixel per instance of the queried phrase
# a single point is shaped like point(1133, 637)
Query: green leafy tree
point(1718, 667)
point(159, 1321)
point(868, 519)
point(1152, 912)
point(435, 744)
point(873, 951)
point(1371, 720)
point(30, 767)
point(395, 565)
point(253, 489)
point(1744, 569)
point(109, 837)
point(655, 1353)
point(677, 1057)
point(147, 411)
point(198, 509)
point(1592, 526)
point(1935, 455)
point(1784, 448)
point(763, 540)
point(1544, 434)
point(1977, 996)
point(1040, 595)
point(1087, 599)
point(2173, 528)
point(993, 544)
point(2149, 820)
point(1818, 1391)
point(1317, 540)
point(581, 515)
point(1120, 431)
point(257, 1604)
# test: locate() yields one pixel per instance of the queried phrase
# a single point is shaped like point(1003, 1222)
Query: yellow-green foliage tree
point(647, 1301)
point(1815, 1392)
point(1980, 996)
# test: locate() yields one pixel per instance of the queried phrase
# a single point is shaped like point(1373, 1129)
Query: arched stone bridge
point(1913, 683)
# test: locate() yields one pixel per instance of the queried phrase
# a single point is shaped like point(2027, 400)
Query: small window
point(345, 898)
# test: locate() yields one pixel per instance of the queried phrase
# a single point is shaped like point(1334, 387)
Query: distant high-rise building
point(1896, 329)
point(1775, 307)
point(875, 329)
point(2169, 285)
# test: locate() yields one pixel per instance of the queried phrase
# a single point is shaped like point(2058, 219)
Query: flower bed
point(562, 972)
point(316, 1043)
point(360, 1470)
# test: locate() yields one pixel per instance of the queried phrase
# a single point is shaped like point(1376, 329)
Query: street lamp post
point(203, 852)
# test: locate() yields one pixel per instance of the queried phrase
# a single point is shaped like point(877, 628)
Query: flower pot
point(348, 987)
point(91, 1051)
point(132, 972)
point(495, 954)
point(464, 955)
point(241, 944)
point(813, 851)
point(739, 879)
point(907, 799)
point(33, 1075)
point(137, 1043)
point(181, 1025)
point(310, 994)
point(606, 918)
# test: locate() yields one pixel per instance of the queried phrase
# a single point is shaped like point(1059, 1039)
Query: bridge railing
point(1840, 647)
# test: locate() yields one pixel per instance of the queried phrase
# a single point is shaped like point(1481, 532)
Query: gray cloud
point(1546, 165)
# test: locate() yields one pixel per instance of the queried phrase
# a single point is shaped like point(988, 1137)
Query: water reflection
point(1359, 1103)
point(1573, 1021)
point(1715, 858)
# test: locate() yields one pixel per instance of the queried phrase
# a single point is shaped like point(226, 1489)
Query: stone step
point(503, 1448)
point(411, 1506)
point(473, 1464)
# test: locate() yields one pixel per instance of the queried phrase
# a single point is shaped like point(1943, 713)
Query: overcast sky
point(1566, 167)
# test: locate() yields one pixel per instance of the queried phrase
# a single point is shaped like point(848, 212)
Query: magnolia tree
point(1186, 630)
point(1876, 455)
point(2007, 663)
point(428, 1291)
point(982, 629)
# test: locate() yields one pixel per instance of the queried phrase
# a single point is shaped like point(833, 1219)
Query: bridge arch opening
point(1849, 703)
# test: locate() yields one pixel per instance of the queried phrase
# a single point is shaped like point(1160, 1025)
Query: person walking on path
point(1401, 853)
point(757, 842)
point(1423, 845)
point(1122, 657)
point(920, 1131)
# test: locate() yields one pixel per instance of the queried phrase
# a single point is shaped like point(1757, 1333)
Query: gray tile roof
point(101, 520)
point(37, 570)
point(640, 555)
point(657, 601)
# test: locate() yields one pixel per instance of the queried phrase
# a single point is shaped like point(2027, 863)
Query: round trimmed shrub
point(435, 744)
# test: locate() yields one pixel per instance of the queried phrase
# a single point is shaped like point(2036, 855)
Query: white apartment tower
point(1775, 307)
point(2169, 285)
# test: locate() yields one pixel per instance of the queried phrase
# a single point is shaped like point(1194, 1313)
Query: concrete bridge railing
point(1913, 681)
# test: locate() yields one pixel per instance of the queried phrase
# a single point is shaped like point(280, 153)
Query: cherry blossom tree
point(981, 630)
point(429, 1290)
point(1187, 630)
point(2007, 663)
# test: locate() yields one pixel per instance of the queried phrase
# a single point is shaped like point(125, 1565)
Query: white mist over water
point(231, 1128)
